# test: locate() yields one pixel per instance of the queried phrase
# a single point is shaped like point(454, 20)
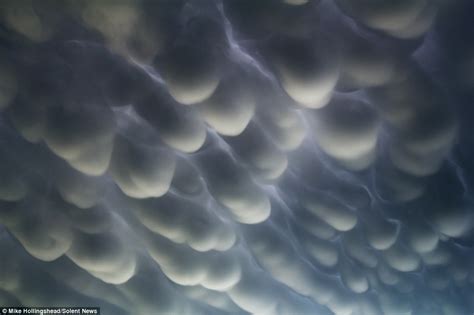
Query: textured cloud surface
point(288, 157)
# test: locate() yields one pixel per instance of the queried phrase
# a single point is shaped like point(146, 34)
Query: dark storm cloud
point(237, 156)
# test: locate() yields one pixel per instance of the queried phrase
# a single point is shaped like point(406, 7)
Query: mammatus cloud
point(237, 157)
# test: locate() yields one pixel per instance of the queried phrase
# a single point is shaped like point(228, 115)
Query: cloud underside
point(237, 157)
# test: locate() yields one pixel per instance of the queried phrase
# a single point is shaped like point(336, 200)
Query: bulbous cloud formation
point(238, 156)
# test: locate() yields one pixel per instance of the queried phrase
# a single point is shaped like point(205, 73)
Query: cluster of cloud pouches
point(238, 156)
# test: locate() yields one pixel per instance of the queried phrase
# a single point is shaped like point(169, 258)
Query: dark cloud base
point(238, 156)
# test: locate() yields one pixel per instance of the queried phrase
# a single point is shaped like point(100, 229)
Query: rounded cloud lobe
point(237, 157)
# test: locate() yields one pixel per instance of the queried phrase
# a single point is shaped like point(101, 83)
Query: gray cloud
point(237, 157)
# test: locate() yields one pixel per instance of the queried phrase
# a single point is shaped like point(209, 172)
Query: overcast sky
point(290, 157)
